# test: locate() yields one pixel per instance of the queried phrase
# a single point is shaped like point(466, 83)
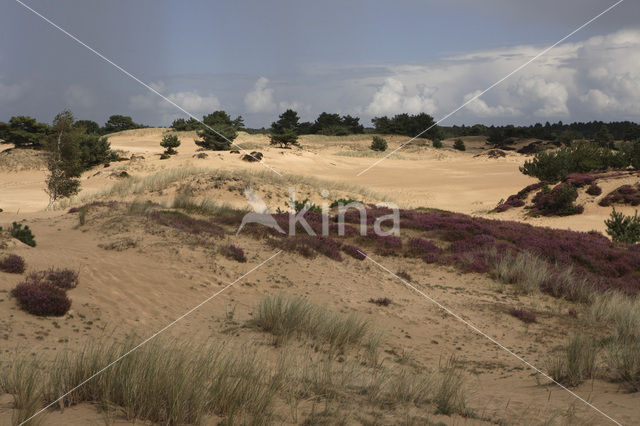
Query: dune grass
point(164, 179)
point(204, 206)
point(372, 154)
point(286, 317)
point(163, 382)
point(576, 362)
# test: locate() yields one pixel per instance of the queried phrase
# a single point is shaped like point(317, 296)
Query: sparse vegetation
point(459, 145)
point(523, 315)
point(23, 234)
point(232, 252)
point(12, 264)
point(576, 362)
point(289, 317)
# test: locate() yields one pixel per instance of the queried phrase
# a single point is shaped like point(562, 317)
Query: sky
point(368, 58)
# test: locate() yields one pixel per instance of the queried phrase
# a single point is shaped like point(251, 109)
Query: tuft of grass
point(576, 362)
point(168, 382)
point(527, 272)
point(22, 379)
point(285, 317)
point(204, 206)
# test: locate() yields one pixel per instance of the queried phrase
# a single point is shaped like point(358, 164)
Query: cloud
point(192, 101)
point(480, 108)
point(393, 97)
point(260, 99)
point(548, 97)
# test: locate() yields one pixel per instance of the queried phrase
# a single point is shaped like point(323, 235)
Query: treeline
point(25, 131)
point(325, 124)
point(557, 132)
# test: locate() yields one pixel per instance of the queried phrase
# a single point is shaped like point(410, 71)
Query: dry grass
point(297, 316)
point(372, 154)
point(164, 179)
point(164, 382)
point(576, 362)
point(204, 206)
point(525, 271)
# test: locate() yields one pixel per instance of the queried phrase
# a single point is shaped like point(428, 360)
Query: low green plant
point(437, 143)
point(622, 228)
point(459, 145)
point(23, 234)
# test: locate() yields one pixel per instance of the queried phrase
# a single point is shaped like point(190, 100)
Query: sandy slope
point(143, 288)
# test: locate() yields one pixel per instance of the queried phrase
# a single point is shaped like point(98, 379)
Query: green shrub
point(169, 143)
point(378, 144)
point(219, 132)
point(579, 158)
point(437, 143)
point(459, 145)
point(23, 234)
point(622, 228)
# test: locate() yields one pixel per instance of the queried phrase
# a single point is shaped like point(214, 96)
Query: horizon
point(372, 59)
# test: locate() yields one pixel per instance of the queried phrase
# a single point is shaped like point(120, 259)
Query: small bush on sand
point(622, 228)
point(523, 315)
point(594, 190)
point(557, 202)
point(437, 143)
point(13, 264)
point(381, 301)
point(23, 234)
point(41, 298)
point(459, 145)
point(576, 362)
point(232, 252)
point(625, 194)
point(378, 144)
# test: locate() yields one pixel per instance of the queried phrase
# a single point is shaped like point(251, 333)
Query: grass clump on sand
point(576, 362)
point(286, 317)
point(163, 382)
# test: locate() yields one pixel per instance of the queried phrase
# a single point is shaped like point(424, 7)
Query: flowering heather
point(309, 245)
point(625, 194)
point(354, 251)
point(418, 247)
point(12, 264)
point(594, 189)
point(592, 255)
point(431, 258)
point(186, 223)
point(43, 299)
point(232, 252)
point(512, 201)
point(579, 179)
point(517, 200)
point(523, 315)
point(557, 202)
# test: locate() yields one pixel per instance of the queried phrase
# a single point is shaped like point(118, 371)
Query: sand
point(143, 288)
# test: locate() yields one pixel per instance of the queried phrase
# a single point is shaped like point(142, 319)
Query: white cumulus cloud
point(260, 99)
point(394, 97)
